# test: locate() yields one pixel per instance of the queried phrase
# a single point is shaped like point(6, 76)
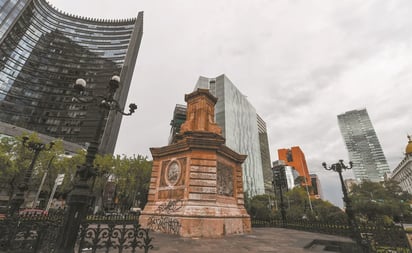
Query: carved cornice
point(190, 140)
point(199, 92)
point(227, 152)
point(199, 140)
point(169, 150)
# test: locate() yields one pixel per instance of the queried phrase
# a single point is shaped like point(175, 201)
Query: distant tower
point(265, 155)
point(294, 157)
point(179, 117)
point(289, 177)
point(316, 186)
point(365, 151)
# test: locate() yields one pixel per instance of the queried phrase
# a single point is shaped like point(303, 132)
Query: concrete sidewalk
point(259, 240)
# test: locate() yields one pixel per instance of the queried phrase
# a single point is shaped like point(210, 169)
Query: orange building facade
point(294, 157)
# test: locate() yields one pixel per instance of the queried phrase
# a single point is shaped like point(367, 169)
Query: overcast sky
point(299, 62)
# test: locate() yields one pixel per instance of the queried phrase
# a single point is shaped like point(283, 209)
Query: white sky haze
point(299, 62)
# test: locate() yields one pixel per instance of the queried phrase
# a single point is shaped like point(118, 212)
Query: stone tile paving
point(259, 240)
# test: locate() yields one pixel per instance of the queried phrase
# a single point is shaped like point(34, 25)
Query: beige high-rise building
point(403, 172)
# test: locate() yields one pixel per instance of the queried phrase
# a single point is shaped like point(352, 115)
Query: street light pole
point(36, 199)
point(78, 199)
point(23, 186)
point(339, 168)
point(278, 179)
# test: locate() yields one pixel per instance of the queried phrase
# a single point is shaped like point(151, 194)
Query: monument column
point(196, 187)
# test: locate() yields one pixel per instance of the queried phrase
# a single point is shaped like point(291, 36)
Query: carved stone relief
point(224, 180)
point(173, 173)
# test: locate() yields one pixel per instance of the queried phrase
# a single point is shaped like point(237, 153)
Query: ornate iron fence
point(115, 233)
point(384, 238)
point(39, 234)
point(29, 233)
point(341, 229)
point(376, 237)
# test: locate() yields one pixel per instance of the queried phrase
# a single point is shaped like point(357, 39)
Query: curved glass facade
point(43, 51)
point(9, 11)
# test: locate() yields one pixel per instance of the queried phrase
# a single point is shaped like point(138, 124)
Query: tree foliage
point(372, 201)
point(261, 207)
point(16, 158)
point(297, 207)
point(132, 174)
point(300, 206)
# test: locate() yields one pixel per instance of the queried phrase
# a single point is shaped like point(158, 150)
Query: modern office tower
point(296, 158)
point(243, 129)
point(179, 117)
point(403, 172)
point(369, 162)
point(291, 177)
point(265, 155)
point(316, 186)
point(288, 176)
point(43, 51)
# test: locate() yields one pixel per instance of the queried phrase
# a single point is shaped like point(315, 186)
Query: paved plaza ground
point(259, 240)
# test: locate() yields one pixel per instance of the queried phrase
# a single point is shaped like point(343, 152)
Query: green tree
point(9, 168)
point(373, 201)
point(60, 163)
point(298, 207)
point(132, 174)
point(296, 201)
point(132, 178)
point(261, 207)
point(15, 159)
point(327, 212)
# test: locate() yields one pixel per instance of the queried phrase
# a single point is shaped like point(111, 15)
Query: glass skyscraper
point(43, 51)
point(243, 130)
point(365, 151)
point(265, 155)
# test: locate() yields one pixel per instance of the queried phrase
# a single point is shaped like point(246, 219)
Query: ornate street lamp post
point(78, 199)
point(339, 168)
point(23, 186)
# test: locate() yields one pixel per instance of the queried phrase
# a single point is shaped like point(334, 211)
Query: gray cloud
point(300, 63)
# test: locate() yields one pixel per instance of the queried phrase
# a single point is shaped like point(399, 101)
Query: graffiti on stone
point(163, 221)
point(170, 207)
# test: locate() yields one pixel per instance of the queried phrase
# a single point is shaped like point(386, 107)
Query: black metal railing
point(380, 238)
point(114, 233)
point(29, 233)
point(33, 233)
point(376, 237)
point(341, 229)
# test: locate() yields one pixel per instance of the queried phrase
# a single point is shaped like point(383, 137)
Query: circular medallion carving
point(173, 173)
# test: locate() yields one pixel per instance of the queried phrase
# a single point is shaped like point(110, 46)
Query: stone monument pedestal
point(196, 187)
